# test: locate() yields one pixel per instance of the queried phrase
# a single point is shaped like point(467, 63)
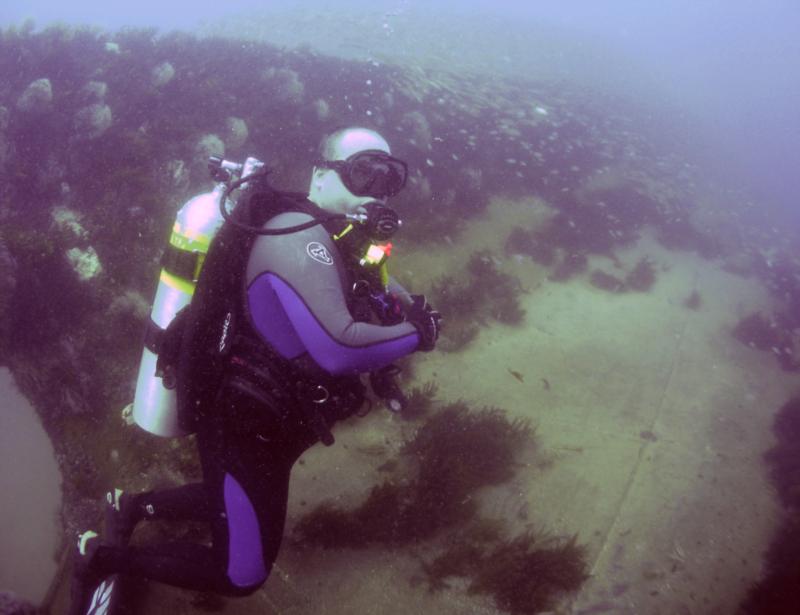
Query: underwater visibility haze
point(731, 65)
point(602, 202)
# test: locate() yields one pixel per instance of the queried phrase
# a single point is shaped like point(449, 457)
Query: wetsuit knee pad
point(246, 569)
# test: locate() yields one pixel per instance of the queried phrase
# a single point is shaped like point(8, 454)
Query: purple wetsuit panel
point(333, 356)
point(245, 557)
point(271, 320)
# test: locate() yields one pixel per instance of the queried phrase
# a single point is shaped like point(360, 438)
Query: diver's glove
point(426, 321)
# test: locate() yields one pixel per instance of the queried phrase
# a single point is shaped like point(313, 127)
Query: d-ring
point(324, 397)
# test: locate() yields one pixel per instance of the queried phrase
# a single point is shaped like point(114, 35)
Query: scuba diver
point(292, 306)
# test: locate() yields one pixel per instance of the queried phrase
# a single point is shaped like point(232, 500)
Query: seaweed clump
point(524, 575)
point(776, 593)
point(762, 333)
point(470, 302)
point(457, 301)
point(501, 290)
point(606, 281)
point(573, 263)
point(642, 277)
point(693, 301)
point(757, 331)
point(455, 453)
point(420, 401)
point(531, 244)
point(784, 458)
point(677, 233)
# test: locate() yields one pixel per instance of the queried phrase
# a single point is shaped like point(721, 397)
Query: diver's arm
point(302, 274)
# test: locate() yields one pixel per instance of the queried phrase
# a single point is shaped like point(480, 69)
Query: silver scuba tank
point(154, 405)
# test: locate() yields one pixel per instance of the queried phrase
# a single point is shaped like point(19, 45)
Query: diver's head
point(355, 167)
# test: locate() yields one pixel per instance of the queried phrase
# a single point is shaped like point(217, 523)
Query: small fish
point(516, 374)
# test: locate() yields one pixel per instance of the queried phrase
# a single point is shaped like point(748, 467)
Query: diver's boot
point(122, 515)
point(84, 580)
point(124, 511)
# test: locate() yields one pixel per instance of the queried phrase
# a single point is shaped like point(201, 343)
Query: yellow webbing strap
point(384, 274)
point(173, 281)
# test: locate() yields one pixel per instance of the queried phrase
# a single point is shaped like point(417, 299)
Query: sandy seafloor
point(649, 443)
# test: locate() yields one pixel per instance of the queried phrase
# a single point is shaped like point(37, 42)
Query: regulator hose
point(264, 231)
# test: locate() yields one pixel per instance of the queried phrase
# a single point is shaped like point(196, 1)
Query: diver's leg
point(181, 564)
point(246, 483)
point(251, 488)
point(246, 531)
point(187, 502)
point(184, 502)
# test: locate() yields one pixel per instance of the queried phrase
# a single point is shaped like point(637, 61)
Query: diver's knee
point(235, 589)
point(246, 582)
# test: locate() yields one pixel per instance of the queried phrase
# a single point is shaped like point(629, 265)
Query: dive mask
point(370, 173)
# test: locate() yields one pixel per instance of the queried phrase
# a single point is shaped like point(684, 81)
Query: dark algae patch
point(606, 281)
point(757, 331)
point(525, 574)
point(455, 453)
point(420, 401)
point(475, 297)
point(502, 290)
point(573, 264)
point(525, 577)
point(642, 277)
point(784, 458)
point(538, 248)
point(769, 334)
point(693, 301)
point(776, 593)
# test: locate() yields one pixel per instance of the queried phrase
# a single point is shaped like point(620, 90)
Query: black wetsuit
point(250, 431)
